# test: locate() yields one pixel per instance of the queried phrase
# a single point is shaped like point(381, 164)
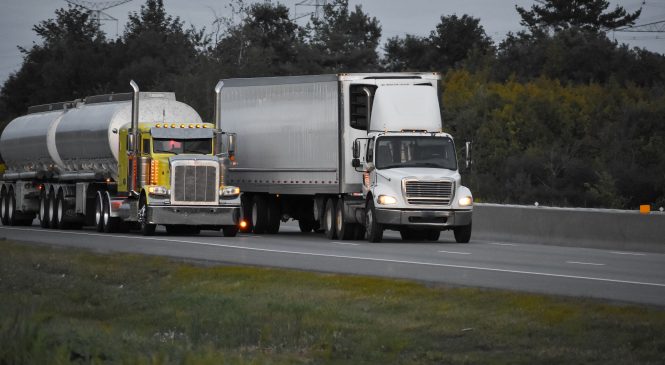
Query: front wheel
point(462, 233)
point(147, 229)
point(373, 229)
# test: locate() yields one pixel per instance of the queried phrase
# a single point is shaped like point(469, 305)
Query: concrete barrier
point(593, 228)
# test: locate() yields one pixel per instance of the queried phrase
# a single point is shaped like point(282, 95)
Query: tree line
point(558, 112)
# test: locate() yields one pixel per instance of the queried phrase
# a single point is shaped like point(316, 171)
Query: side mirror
point(356, 149)
point(467, 155)
point(355, 162)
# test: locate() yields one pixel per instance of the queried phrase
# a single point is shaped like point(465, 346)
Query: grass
point(62, 306)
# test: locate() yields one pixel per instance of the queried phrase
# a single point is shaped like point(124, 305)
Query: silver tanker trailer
point(115, 161)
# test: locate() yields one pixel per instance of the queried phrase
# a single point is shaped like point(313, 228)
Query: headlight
point(387, 200)
point(158, 190)
point(465, 201)
point(230, 191)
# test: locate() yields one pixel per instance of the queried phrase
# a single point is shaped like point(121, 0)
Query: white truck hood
point(421, 173)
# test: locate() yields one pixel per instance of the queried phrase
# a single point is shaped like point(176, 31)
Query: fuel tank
point(82, 136)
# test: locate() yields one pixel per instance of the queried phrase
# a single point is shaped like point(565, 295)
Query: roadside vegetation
point(559, 112)
point(62, 306)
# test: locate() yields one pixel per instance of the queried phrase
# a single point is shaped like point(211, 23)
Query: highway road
point(637, 277)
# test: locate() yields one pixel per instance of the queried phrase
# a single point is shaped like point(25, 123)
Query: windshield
point(199, 146)
point(415, 151)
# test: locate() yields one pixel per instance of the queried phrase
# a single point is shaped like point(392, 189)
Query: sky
point(397, 18)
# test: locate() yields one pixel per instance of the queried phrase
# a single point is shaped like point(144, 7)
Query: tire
point(111, 224)
point(345, 231)
point(373, 229)
point(60, 211)
point(462, 233)
point(329, 219)
point(274, 218)
point(230, 231)
point(146, 229)
point(11, 209)
point(43, 210)
point(52, 222)
point(99, 212)
point(259, 214)
point(306, 226)
point(3, 208)
point(433, 235)
point(246, 210)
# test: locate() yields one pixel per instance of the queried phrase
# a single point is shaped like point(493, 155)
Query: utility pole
point(96, 10)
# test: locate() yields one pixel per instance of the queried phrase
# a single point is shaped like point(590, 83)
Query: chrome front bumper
point(195, 216)
point(424, 218)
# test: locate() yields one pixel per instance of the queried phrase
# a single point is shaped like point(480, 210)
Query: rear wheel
point(259, 214)
point(111, 224)
point(60, 211)
point(11, 208)
point(462, 233)
point(345, 231)
point(273, 214)
point(43, 209)
point(329, 220)
point(373, 229)
point(99, 212)
point(52, 218)
point(3, 207)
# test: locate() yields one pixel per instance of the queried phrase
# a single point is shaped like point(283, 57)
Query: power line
point(654, 27)
point(96, 10)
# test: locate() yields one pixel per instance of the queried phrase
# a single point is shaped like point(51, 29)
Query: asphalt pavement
point(635, 277)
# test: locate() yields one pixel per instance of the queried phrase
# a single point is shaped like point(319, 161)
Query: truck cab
point(411, 180)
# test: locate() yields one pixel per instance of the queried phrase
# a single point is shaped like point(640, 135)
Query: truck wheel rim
point(42, 208)
point(369, 222)
point(339, 220)
point(98, 212)
point(3, 207)
point(51, 208)
point(107, 214)
point(329, 219)
point(255, 213)
point(10, 208)
point(60, 209)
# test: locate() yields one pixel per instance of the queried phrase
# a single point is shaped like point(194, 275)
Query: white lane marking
point(584, 263)
point(501, 244)
point(346, 243)
point(628, 253)
point(456, 253)
point(535, 273)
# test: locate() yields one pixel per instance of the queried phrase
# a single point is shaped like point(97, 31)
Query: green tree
point(453, 41)
point(345, 41)
point(157, 47)
point(71, 61)
point(585, 14)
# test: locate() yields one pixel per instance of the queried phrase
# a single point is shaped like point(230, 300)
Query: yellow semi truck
point(117, 162)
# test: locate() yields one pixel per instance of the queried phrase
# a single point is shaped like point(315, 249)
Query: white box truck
point(350, 154)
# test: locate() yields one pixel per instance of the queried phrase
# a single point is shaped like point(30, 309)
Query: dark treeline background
point(558, 113)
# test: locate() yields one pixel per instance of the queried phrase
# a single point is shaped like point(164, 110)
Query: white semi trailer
point(351, 154)
point(115, 161)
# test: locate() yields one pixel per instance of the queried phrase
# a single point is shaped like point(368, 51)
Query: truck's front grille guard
point(431, 192)
point(195, 184)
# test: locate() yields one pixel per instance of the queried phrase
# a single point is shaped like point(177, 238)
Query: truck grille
point(195, 184)
point(428, 192)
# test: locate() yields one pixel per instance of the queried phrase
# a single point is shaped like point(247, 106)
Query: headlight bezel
point(229, 191)
point(158, 190)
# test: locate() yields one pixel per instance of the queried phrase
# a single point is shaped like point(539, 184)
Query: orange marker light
point(645, 209)
point(243, 224)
